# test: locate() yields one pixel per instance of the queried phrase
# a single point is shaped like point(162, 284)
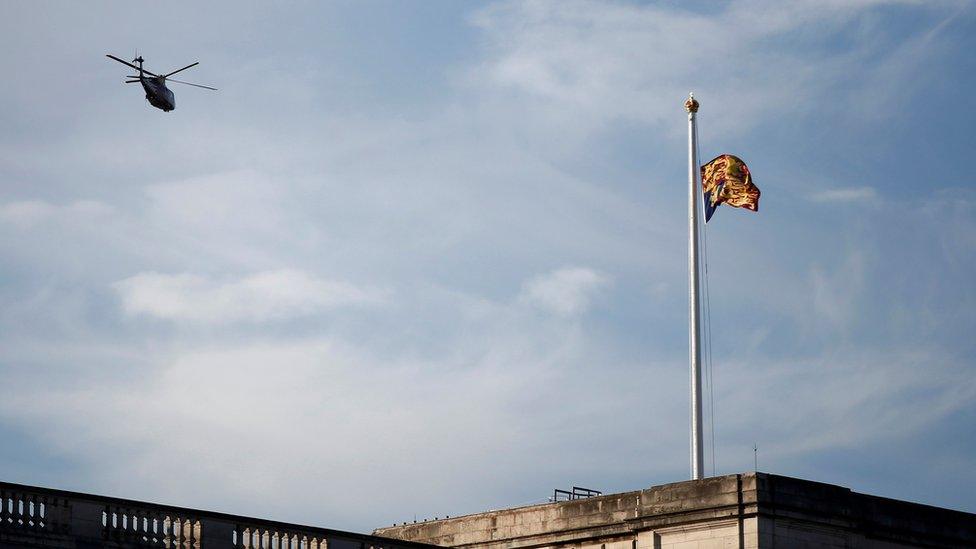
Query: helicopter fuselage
point(157, 93)
point(154, 85)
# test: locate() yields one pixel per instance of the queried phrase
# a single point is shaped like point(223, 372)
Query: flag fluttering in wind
point(726, 179)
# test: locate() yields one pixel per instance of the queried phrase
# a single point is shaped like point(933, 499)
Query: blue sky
point(429, 258)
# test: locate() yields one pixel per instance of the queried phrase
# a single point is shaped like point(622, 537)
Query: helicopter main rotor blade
point(189, 84)
point(129, 64)
point(183, 69)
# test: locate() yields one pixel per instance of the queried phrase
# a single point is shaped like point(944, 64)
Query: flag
point(727, 179)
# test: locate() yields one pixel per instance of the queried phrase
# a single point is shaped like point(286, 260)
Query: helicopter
point(157, 93)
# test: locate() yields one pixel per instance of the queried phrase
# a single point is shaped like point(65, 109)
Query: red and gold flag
point(726, 179)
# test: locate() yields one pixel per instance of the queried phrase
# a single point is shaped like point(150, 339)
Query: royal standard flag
point(727, 179)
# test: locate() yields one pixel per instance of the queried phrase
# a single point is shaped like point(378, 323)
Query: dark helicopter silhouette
point(157, 93)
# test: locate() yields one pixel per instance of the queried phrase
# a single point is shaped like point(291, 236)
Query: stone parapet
point(745, 510)
point(33, 517)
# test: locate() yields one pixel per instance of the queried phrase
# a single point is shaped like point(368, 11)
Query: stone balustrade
point(33, 517)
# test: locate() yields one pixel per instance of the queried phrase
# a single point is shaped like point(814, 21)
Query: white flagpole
point(697, 450)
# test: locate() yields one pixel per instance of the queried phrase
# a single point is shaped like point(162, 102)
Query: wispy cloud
point(259, 297)
point(567, 291)
point(597, 63)
point(851, 194)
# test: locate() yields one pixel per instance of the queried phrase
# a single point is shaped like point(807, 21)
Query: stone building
point(734, 511)
point(754, 510)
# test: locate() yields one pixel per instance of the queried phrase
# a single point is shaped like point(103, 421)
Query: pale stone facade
point(754, 510)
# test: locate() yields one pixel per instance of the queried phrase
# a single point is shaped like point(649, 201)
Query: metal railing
point(576, 493)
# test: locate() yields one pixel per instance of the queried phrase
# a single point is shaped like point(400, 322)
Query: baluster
point(10, 504)
point(139, 518)
point(191, 536)
point(125, 523)
point(119, 526)
point(42, 513)
point(25, 510)
point(135, 525)
point(38, 512)
point(174, 527)
point(144, 524)
point(29, 510)
point(167, 534)
point(181, 535)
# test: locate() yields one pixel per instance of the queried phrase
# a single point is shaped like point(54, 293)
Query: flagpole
point(697, 451)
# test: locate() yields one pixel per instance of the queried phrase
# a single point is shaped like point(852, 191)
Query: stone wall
point(735, 511)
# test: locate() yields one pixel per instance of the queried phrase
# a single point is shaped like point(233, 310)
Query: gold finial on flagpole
point(691, 105)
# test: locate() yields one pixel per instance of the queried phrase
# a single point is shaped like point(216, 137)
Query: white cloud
point(848, 398)
point(583, 65)
point(851, 194)
point(260, 297)
point(567, 291)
